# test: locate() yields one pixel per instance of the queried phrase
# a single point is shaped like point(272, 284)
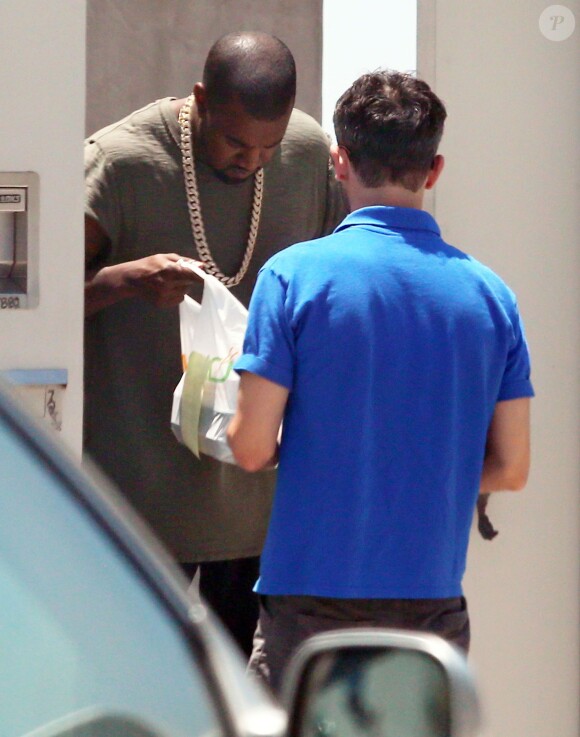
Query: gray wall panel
point(140, 50)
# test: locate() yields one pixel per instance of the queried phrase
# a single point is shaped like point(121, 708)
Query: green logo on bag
point(221, 368)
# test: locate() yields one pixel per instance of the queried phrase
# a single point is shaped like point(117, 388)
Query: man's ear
point(435, 171)
point(341, 162)
point(200, 96)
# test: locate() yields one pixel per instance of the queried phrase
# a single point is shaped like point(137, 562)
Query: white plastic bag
point(205, 399)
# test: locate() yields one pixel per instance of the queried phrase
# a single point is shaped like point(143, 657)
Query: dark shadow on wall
point(141, 50)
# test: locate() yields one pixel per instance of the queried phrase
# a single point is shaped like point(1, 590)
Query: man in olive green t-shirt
point(250, 152)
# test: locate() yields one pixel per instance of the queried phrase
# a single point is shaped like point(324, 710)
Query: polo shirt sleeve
point(516, 378)
point(269, 349)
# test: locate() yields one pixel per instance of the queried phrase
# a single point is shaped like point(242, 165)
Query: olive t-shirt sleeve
point(101, 191)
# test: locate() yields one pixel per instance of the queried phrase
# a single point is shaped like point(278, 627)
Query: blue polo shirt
point(395, 347)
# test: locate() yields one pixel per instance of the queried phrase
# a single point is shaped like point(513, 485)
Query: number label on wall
point(10, 303)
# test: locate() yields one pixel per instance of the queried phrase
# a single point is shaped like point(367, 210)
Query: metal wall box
point(19, 232)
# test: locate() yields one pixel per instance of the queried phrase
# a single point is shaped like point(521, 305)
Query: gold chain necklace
point(194, 208)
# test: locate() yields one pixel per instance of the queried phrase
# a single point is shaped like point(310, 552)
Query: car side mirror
point(380, 683)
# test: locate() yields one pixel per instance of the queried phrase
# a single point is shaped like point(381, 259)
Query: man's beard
point(226, 179)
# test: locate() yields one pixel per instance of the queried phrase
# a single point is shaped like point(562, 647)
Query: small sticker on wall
point(557, 23)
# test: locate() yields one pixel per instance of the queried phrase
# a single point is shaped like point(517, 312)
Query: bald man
point(255, 159)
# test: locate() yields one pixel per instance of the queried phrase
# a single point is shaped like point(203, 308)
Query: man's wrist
point(106, 287)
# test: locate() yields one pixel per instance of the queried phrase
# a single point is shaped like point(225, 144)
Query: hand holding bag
point(205, 399)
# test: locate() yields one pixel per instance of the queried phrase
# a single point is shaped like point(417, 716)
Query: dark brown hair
point(391, 124)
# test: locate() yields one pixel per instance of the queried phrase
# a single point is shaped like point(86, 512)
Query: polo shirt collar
point(393, 218)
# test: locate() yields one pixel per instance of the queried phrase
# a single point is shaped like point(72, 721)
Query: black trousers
point(286, 621)
point(227, 586)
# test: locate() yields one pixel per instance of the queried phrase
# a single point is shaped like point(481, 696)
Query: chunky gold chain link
point(194, 207)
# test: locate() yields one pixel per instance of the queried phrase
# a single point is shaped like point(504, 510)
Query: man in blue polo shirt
point(399, 367)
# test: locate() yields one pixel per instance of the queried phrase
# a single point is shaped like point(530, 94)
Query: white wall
point(509, 195)
point(42, 91)
point(378, 34)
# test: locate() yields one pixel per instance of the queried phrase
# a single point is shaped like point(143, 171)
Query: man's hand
point(162, 279)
